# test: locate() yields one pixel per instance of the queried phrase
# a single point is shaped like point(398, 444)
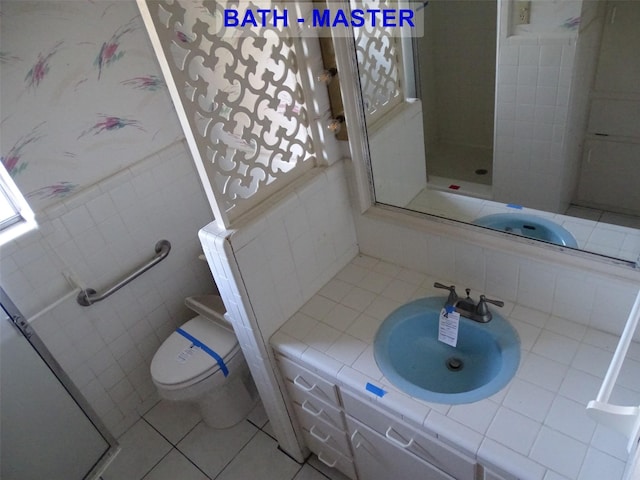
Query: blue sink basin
point(407, 351)
point(529, 226)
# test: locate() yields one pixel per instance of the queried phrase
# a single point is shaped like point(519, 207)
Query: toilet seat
point(178, 363)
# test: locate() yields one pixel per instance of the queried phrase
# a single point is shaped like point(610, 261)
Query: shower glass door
point(44, 430)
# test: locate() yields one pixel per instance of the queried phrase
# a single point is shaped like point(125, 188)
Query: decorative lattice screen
point(241, 92)
point(379, 62)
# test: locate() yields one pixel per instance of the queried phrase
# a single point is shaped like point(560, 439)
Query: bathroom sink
point(530, 226)
point(408, 352)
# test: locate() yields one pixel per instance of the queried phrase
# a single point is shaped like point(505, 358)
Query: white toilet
point(201, 362)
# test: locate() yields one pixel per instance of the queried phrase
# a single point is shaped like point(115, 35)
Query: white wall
point(463, 44)
point(101, 235)
point(397, 155)
point(82, 97)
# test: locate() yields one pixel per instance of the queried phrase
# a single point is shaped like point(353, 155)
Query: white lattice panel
point(242, 98)
point(379, 62)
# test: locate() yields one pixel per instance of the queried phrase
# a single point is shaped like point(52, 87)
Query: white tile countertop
point(535, 428)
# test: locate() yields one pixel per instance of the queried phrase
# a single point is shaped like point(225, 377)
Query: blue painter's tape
point(450, 309)
point(206, 349)
point(375, 390)
point(515, 205)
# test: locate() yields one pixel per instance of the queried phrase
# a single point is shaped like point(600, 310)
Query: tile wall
point(532, 105)
point(101, 235)
point(268, 268)
point(597, 300)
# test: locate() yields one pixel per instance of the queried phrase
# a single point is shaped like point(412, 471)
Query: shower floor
point(460, 162)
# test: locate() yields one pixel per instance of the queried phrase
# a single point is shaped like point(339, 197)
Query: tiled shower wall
point(101, 235)
point(532, 103)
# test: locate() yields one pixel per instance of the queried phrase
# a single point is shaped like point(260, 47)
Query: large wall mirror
point(520, 116)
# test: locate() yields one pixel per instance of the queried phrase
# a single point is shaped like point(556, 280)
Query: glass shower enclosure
point(47, 429)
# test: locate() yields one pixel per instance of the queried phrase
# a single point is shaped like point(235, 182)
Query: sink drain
point(454, 364)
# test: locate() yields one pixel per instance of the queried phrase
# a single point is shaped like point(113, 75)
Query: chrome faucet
point(467, 307)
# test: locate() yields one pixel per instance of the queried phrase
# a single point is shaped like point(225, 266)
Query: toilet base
point(224, 408)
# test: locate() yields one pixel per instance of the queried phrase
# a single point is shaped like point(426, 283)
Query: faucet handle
point(453, 296)
point(497, 303)
point(482, 308)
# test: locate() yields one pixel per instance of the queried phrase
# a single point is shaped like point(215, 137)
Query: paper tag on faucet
point(448, 326)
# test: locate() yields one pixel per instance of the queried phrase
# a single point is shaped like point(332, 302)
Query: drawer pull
point(353, 440)
point(330, 465)
point(396, 441)
point(301, 385)
point(311, 411)
point(318, 437)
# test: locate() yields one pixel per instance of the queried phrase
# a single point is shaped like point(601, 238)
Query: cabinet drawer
point(420, 444)
point(312, 411)
point(330, 457)
point(304, 381)
point(320, 437)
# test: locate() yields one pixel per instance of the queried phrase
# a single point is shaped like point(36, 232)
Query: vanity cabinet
point(489, 475)
point(317, 407)
point(350, 434)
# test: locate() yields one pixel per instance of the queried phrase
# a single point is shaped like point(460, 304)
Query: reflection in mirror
point(500, 110)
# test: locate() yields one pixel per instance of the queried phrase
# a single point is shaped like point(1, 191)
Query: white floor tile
point(307, 472)
point(142, 447)
point(261, 458)
point(175, 466)
point(268, 429)
point(332, 473)
point(173, 419)
point(212, 449)
point(258, 416)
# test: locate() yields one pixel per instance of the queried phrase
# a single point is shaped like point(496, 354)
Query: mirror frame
point(344, 45)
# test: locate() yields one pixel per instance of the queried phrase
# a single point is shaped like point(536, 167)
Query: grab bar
point(89, 296)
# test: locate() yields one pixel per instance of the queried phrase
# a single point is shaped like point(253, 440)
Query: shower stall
point(48, 429)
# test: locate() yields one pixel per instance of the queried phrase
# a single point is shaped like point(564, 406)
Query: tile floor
point(170, 442)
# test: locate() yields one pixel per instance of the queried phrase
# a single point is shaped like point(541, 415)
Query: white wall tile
point(536, 286)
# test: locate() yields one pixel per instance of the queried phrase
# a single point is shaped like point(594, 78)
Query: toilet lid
point(178, 360)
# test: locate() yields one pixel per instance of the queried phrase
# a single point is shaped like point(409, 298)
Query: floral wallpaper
point(81, 94)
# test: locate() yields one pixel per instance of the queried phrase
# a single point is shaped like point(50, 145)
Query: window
point(16, 217)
